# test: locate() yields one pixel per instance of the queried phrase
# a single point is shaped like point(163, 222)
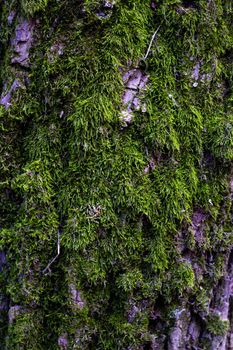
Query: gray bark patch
point(22, 42)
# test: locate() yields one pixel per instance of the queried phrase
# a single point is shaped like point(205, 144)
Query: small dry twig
point(152, 39)
point(58, 253)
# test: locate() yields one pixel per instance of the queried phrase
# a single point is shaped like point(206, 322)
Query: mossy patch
point(68, 166)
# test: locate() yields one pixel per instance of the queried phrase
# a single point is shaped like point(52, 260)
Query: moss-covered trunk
point(116, 148)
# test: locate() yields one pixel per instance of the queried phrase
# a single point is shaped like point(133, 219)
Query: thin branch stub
point(58, 253)
point(152, 39)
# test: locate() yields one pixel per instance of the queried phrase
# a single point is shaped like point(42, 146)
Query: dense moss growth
point(217, 326)
point(71, 173)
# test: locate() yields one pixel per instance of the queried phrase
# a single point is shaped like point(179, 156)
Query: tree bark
point(116, 184)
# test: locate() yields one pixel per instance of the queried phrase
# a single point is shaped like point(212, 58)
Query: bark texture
point(116, 183)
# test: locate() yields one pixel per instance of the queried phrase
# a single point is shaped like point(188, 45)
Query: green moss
point(216, 326)
point(220, 136)
point(68, 166)
point(30, 7)
point(130, 280)
point(26, 332)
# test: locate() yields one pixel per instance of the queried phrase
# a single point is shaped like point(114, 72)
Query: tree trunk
point(116, 179)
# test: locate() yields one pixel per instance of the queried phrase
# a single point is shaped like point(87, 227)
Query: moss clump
point(220, 136)
point(68, 167)
point(30, 7)
point(216, 326)
point(26, 331)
